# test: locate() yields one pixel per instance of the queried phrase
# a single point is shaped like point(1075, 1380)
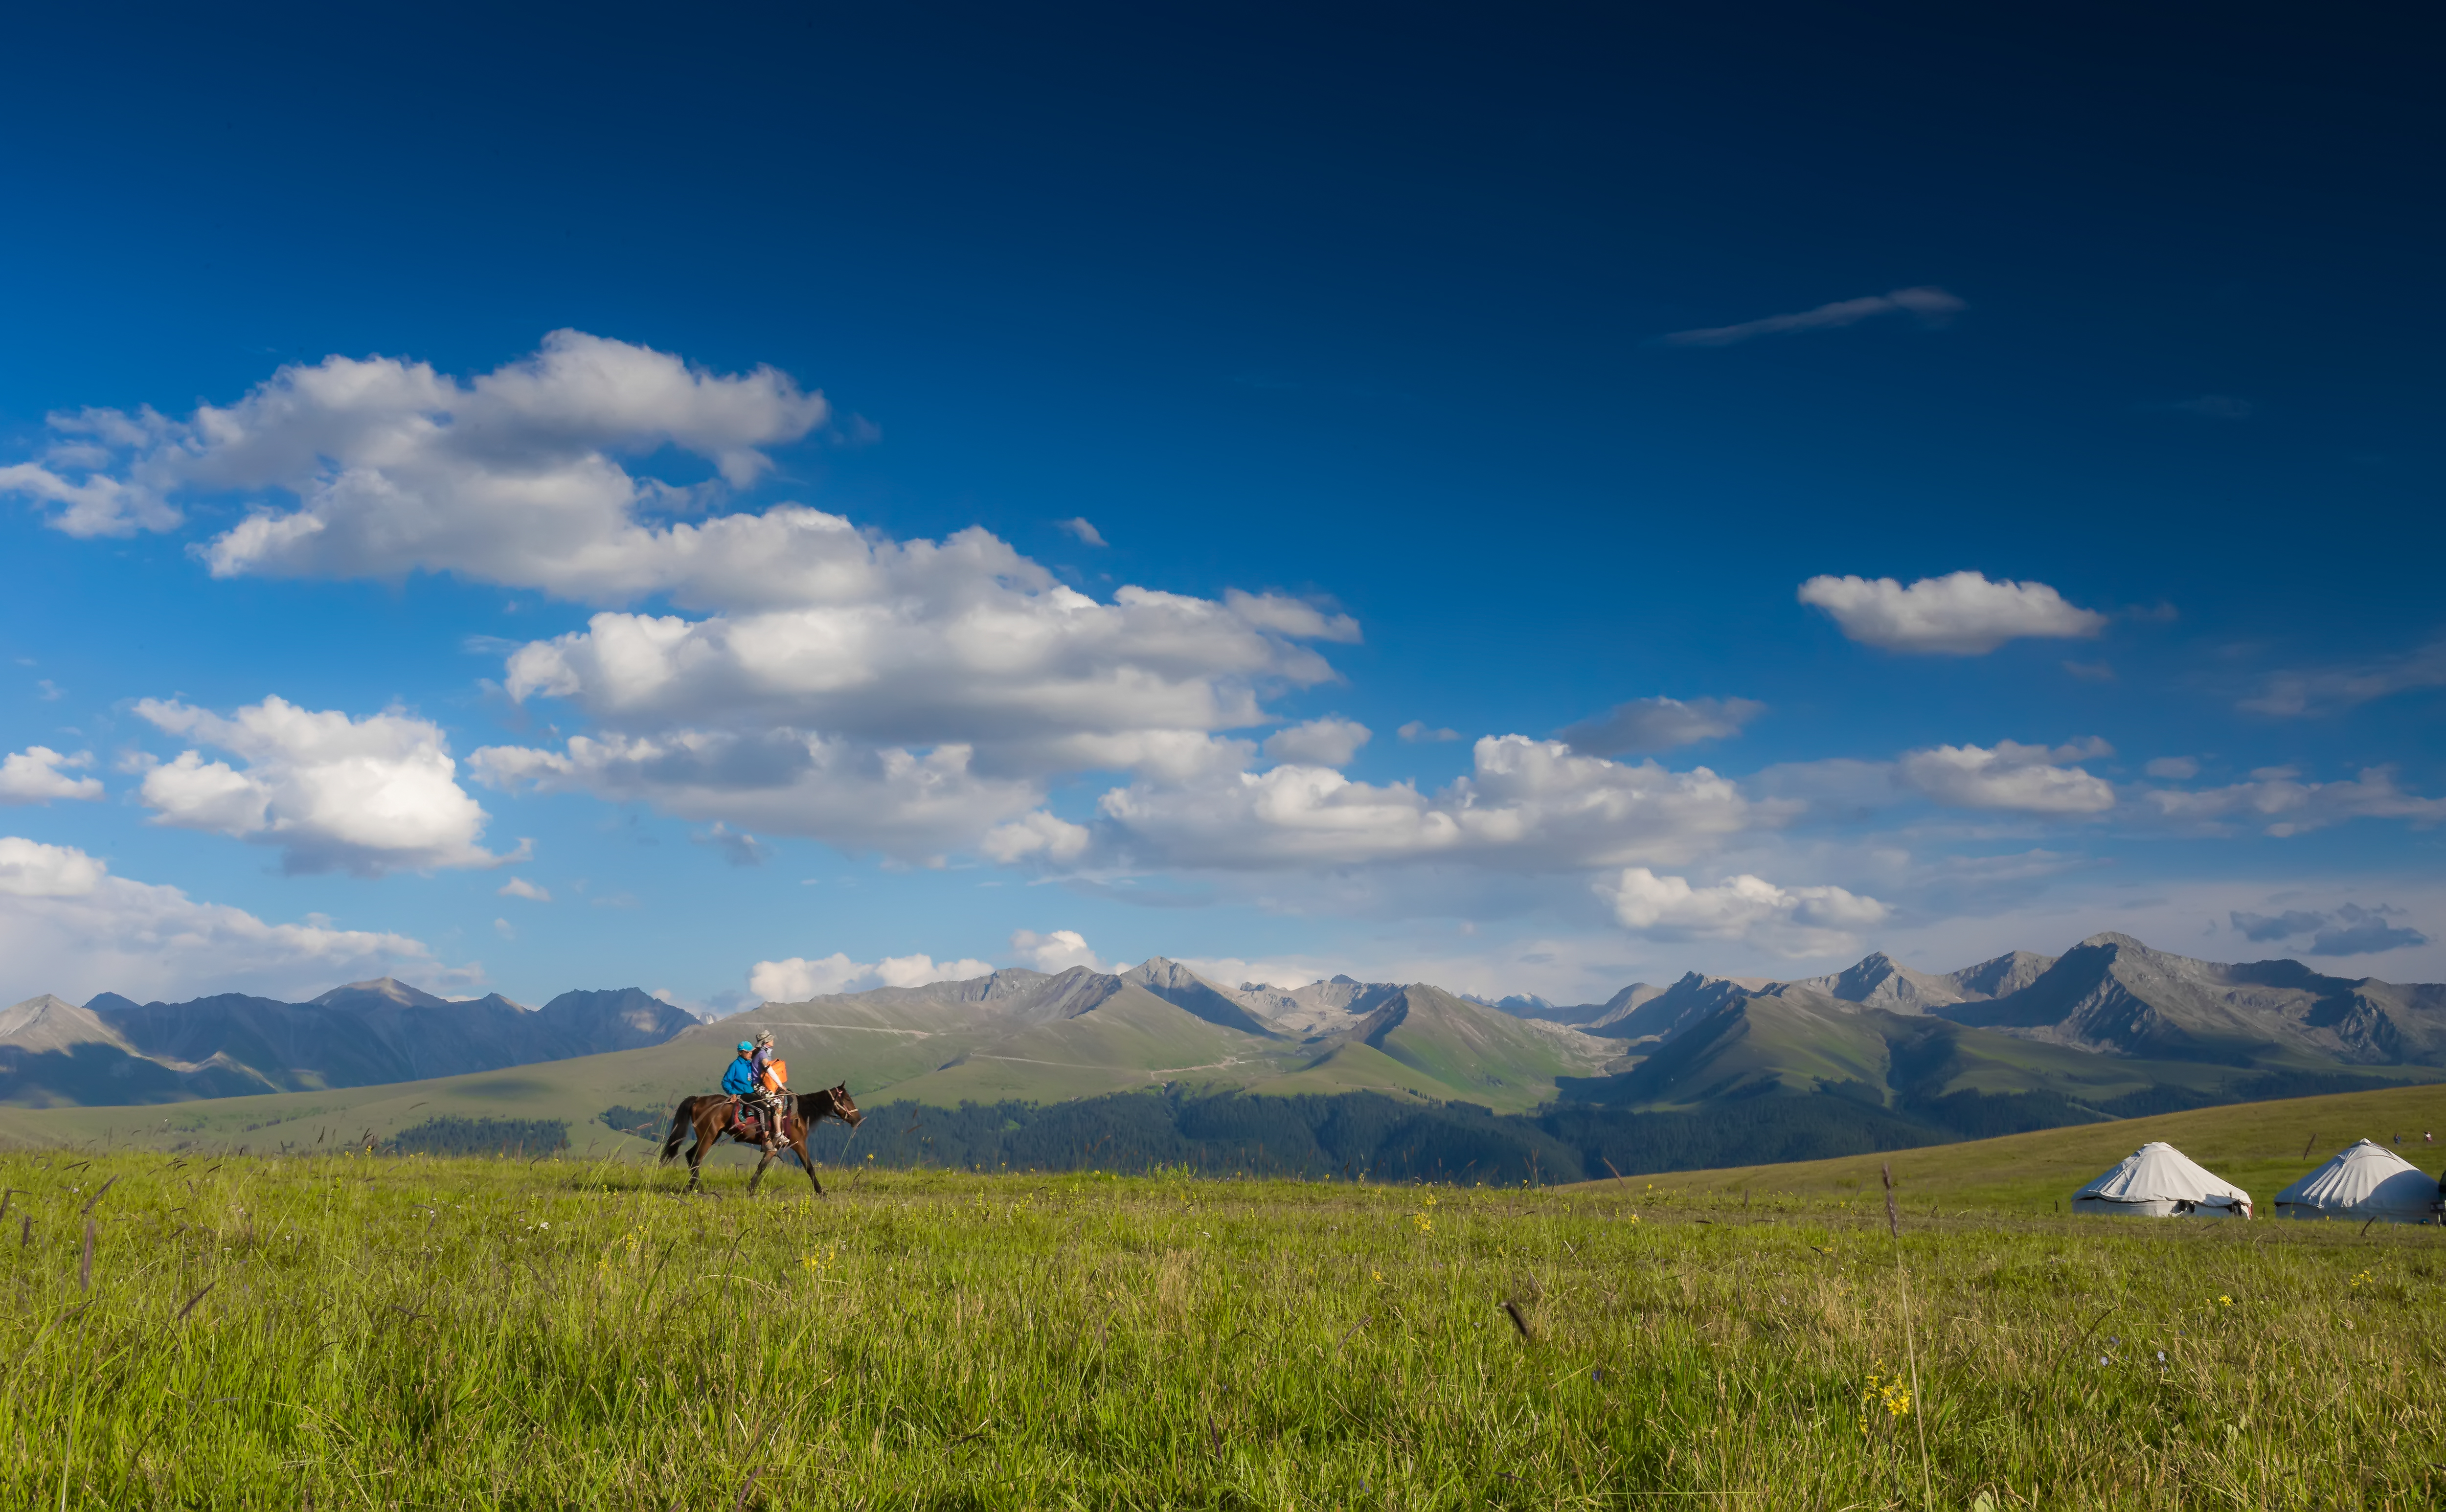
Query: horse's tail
point(679, 1129)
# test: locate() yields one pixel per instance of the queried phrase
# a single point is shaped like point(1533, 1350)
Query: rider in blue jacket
point(740, 1079)
point(743, 1079)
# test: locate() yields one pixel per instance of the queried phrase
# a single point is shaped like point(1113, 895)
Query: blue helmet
point(747, 1047)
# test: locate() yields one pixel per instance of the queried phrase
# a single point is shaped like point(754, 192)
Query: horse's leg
point(696, 1158)
point(799, 1142)
point(759, 1170)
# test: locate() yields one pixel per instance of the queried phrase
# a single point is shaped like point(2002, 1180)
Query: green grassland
point(343, 1331)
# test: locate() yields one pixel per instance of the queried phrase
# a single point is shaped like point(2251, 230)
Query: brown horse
point(712, 1118)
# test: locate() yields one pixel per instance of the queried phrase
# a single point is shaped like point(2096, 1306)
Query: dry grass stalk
point(1520, 1320)
point(97, 1196)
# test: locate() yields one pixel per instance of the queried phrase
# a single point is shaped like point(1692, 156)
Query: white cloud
point(915, 642)
point(1418, 732)
point(95, 505)
point(1037, 835)
point(916, 722)
point(908, 806)
point(2174, 769)
point(1928, 303)
point(1793, 921)
point(1959, 615)
point(371, 795)
point(916, 970)
point(906, 695)
point(796, 980)
point(66, 926)
point(2011, 776)
point(31, 869)
point(1659, 724)
point(2333, 689)
point(509, 478)
point(1087, 534)
point(1056, 952)
point(520, 887)
point(34, 776)
point(1329, 741)
point(2281, 803)
point(1528, 805)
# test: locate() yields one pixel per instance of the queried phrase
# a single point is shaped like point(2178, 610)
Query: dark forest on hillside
point(1359, 1134)
point(1369, 1135)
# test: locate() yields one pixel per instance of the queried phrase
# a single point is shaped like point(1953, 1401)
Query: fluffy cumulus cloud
point(2277, 801)
point(932, 699)
point(1959, 615)
point(39, 774)
point(2011, 777)
point(366, 795)
point(376, 466)
point(520, 887)
point(1528, 805)
point(68, 926)
point(2350, 930)
point(796, 980)
point(1790, 921)
point(1659, 724)
point(1056, 951)
point(921, 641)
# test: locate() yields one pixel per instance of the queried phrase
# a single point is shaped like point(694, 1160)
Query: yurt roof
point(2158, 1172)
point(2368, 1177)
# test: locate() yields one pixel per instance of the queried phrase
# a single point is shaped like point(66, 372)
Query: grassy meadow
point(357, 1331)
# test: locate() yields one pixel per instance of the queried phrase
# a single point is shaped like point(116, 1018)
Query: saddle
point(743, 1125)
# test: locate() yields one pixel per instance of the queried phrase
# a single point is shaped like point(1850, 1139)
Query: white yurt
point(2365, 1181)
point(2158, 1181)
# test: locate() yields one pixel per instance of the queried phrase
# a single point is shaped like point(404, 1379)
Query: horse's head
point(843, 1108)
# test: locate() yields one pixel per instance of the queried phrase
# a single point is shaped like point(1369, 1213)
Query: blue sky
point(2011, 449)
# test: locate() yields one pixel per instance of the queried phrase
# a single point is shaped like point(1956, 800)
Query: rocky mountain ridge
point(114, 1050)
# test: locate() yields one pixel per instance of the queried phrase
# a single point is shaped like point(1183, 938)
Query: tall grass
point(348, 1332)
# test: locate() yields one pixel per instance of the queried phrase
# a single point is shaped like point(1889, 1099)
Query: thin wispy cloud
point(1089, 535)
point(1929, 303)
point(2332, 689)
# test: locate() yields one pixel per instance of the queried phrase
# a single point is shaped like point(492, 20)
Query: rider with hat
point(762, 1065)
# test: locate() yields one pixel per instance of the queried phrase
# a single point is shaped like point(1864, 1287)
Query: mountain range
point(2109, 1029)
point(113, 1051)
